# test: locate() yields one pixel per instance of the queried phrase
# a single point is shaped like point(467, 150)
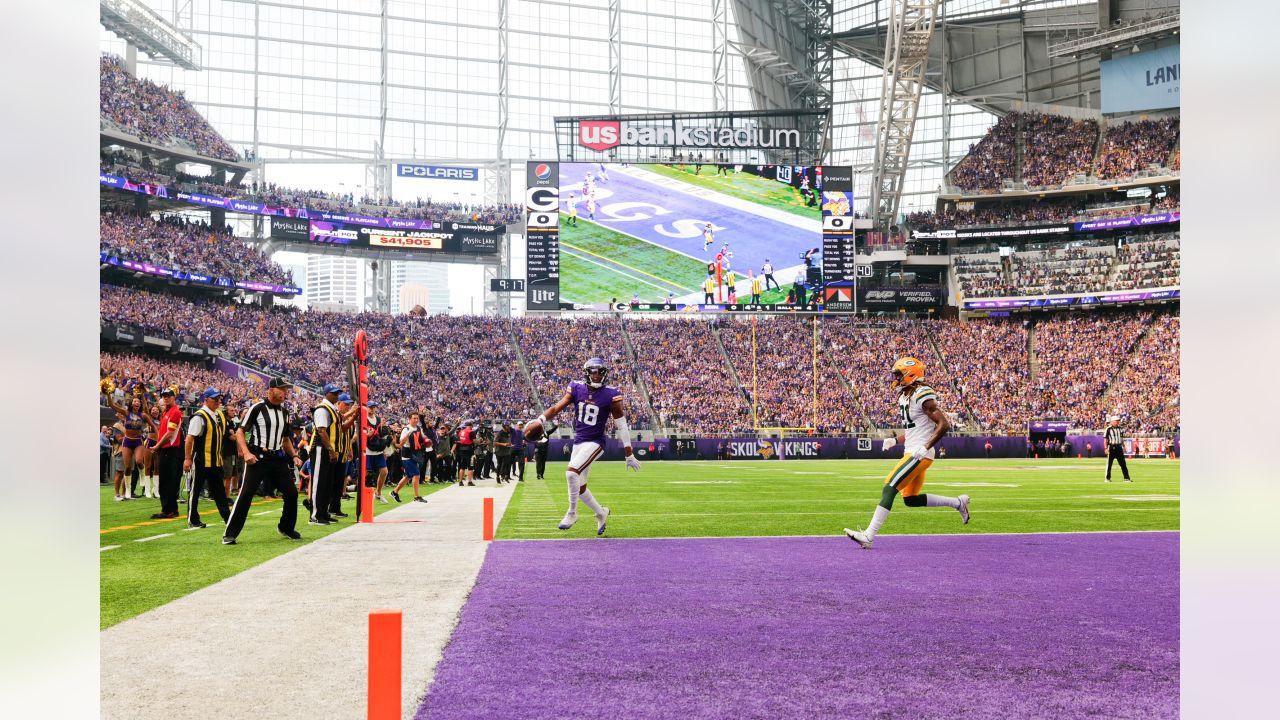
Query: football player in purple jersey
point(593, 404)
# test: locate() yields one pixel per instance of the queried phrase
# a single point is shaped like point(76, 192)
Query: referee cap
point(280, 383)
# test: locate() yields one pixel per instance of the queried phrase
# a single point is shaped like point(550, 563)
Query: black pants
point(104, 467)
point(209, 478)
point(540, 458)
point(799, 293)
point(170, 466)
point(519, 464)
point(273, 472)
point(337, 485)
point(769, 279)
point(504, 467)
point(1116, 453)
point(323, 467)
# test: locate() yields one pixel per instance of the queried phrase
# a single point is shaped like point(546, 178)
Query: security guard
point(343, 437)
point(206, 434)
point(1115, 448)
point(326, 465)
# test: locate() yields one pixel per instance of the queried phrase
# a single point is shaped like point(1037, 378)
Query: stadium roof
point(995, 54)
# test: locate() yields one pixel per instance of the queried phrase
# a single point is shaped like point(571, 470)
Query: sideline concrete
point(289, 638)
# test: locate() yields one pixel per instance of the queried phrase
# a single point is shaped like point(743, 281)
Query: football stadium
point(639, 359)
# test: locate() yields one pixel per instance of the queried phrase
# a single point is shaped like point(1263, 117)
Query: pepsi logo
point(542, 171)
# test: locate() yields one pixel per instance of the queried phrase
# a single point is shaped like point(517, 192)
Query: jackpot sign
point(606, 134)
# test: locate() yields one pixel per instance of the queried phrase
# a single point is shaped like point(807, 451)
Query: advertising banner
point(256, 208)
point(437, 172)
point(239, 372)
point(839, 250)
point(1145, 81)
point(906, 298)
point(298, 229)
point(542, 210)
point(179, 275)
point(1068, 300)
point(1135, 221)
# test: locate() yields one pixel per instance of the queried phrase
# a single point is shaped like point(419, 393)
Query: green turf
point(592, 283)
point(695, 499)
point(138, 576)
point(745, 186)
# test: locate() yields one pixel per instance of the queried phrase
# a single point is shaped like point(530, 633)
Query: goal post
point(755, 383)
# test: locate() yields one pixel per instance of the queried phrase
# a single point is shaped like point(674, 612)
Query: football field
point(727, 589)
point(748, 498)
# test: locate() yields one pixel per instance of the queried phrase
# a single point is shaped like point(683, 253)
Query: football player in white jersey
point(924, 424)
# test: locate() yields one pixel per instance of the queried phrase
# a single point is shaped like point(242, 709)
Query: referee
point(205, 435)
point(1115, 448)
point(264, 444)
point(326, 467)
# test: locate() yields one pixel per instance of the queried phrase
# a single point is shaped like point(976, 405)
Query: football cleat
point(964, 508)
point(859, 537)
point(600, 520)
point(569, 519)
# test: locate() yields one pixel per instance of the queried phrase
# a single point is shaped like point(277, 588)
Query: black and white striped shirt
point(1115, 436)
point(265, 426)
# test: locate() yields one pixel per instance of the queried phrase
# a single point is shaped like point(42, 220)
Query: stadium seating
point(467, 367)
point(155, 113)
point(1057, 148)
point(1144, 262)
point(277, 196)
point(129, 369)
point(1133, 146)
point(185, 245)
point(555, 349)
point(991, 160)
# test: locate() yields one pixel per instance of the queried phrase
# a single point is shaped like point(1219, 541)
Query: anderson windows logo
point(605, 134)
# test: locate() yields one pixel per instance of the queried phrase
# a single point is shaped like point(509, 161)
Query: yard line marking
point(158, 522)
point(153, 537)
point(264, 512)
point(107, 547)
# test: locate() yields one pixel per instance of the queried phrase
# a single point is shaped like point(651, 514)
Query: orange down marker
point(384, 664)
point(488, 519)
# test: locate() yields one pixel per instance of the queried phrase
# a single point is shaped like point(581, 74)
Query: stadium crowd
point(457, 368)
point(988, 365)
point(990, 160)
point(450, 367)
point(1146, 392)
point(689, 383)
point(1076, 361)
point(1151, 262)
point(1133, 146)
point(1057, 148)
point(155, 113)
point(554, 350)
point(122, 165)
point(188, 245)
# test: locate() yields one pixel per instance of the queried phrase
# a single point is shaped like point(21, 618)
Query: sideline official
point(1115, 448)
point(205, 435)
point(326, 467)
point(263, 442)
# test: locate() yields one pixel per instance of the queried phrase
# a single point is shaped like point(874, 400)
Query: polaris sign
point(437, 172)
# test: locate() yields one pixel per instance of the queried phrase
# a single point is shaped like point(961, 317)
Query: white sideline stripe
point(104, 548)
point(978, 512)
point(264, 512)
point(895, 535)
point(153, 537)
point(191, 528)
point(570, 251)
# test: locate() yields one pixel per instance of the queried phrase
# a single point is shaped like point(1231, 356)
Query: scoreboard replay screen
point(689, 236)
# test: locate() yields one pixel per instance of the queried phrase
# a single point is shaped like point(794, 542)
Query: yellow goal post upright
point(782, 431)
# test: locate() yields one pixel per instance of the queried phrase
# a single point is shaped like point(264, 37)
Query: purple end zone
point(1025, 626)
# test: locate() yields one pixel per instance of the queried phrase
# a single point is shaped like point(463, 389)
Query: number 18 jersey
point(917, 425)
point(591, 410)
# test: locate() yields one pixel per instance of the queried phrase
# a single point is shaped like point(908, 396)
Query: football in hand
point(532, 430)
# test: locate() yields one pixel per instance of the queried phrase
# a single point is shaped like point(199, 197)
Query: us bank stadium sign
point(791, 136)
